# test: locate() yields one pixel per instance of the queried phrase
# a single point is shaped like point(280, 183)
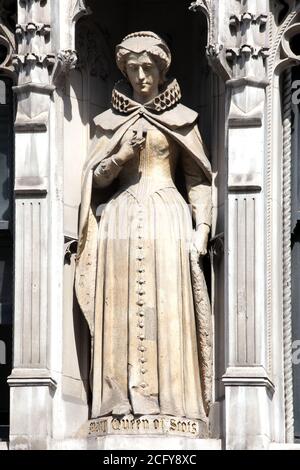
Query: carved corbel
point(216, 56)
point(246, 51)
point(213, 53)
point(31, 59)
point(28, 2)
point(234, 22)
point(67, 58)
point(232, 54)
point(262, 20)
point(32, 29)
point(246, 19)
point(66, 61)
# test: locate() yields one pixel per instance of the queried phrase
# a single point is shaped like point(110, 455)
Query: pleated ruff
point(145, 331)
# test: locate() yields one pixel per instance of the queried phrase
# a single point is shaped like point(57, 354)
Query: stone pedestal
point(151, 443)
point(141, 433)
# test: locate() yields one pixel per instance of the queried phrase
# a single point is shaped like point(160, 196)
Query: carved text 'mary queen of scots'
point(139, 279)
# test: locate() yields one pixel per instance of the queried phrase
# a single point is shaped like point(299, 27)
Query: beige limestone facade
point(237, 64)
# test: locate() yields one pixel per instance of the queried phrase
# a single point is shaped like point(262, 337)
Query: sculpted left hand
point(200, 240)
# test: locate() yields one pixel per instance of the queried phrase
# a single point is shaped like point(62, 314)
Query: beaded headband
point(143, 41)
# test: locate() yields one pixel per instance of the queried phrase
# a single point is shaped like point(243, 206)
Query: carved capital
point(28, 2)
point(246, 19)
point(66, 61)
point(31, 59)
point(32, 29)
point(217, 60)
point(249, 43)
point(247, 51)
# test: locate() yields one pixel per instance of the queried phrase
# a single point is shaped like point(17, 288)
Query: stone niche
point(86, 94)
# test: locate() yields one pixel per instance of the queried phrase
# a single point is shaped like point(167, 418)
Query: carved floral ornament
point(288, 55)
point(286, 52)
point(7, 48)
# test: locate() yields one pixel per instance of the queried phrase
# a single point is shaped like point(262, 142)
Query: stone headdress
point(142, 42)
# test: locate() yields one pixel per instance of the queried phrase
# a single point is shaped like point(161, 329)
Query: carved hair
point(144, 42)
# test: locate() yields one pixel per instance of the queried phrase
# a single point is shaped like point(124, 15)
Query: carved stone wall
point(59, 60)
point(38, 234)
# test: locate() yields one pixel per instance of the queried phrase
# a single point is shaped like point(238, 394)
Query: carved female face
point(143, 75)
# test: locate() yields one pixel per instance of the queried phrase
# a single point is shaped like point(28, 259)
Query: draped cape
point(178, 122)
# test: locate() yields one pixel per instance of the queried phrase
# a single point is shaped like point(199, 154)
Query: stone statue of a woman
point(138, 281)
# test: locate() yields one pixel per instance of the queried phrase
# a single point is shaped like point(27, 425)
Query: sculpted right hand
point(129, 150)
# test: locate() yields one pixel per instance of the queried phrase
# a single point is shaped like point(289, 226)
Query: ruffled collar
point(124, 104)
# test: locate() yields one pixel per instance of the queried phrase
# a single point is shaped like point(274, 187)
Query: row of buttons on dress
point(141, 294)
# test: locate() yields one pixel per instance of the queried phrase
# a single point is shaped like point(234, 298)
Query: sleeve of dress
point(198, 190)
point(105, 173)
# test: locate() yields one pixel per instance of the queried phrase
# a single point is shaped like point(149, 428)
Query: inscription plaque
point(146, 425)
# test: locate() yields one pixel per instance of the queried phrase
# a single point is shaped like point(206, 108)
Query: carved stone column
point(45, 34)
point(248, 385)
point(238, 50)
point(32, 383)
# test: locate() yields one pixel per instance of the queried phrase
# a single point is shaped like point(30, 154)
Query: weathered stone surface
point(145, 425)
point(138, 275)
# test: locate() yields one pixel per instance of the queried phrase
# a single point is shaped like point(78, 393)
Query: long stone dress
point(146, 338)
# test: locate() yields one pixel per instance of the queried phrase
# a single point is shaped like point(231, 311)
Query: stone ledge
point(247, 376)
point(31, 378)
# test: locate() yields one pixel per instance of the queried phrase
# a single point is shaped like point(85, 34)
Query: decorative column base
point(31, 392)
point(248, 395)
